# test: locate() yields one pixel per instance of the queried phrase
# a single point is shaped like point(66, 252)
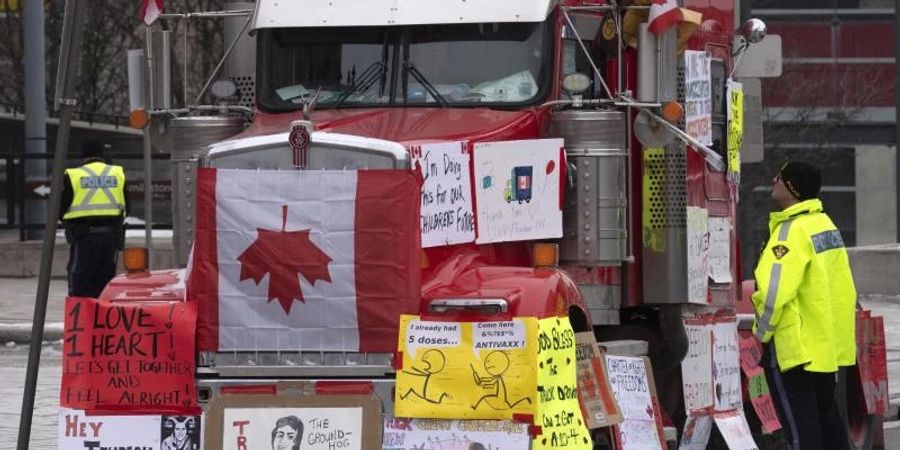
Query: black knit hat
point(92, 148)
point(802, 180)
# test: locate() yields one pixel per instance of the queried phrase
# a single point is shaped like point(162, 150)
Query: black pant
point(92, 263)
point(807, 406)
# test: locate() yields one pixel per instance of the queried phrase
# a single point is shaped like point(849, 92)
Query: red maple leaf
point(284, 255)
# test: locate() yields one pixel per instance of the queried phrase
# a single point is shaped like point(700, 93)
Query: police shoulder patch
point(779, 251)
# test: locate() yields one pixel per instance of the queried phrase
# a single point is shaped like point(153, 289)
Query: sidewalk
point(17, 297)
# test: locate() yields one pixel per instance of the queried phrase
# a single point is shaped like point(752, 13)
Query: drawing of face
point(287, 433)
point(496, 363)
point(434, 360)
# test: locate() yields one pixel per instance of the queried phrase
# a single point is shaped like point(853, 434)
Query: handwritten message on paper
point(697, 254)
point(309, 428)
point(735, 108)
point(720, 249)
point(698, 96)
point(598, 405)
point(727, 366)
point(449, 434)
point(447, 216)
point(735, 430)
point(631, 386)
point(696, 433)
point(466, 370)
point(138, 356)
point(517, 187)
point(761, 399)
point(79, 431)
point(558, 413)
point(696, 367)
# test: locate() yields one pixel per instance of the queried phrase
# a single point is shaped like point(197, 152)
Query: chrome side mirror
point(753, 31)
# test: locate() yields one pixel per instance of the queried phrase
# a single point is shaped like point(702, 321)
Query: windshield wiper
point(428, 86)
point(363, 82)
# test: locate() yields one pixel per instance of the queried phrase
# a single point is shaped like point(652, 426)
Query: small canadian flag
point(663, 15)
point(150, 10)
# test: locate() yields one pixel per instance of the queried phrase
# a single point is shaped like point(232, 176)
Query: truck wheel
point(861, 427)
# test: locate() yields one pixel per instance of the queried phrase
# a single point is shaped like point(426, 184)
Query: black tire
point(861, 428)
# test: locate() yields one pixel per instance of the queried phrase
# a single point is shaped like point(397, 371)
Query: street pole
point(69, 52)
point(35, 109)
point(897, 117)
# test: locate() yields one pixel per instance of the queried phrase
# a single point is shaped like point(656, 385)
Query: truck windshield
point(495, 64)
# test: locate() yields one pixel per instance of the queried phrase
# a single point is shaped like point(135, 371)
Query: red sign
point(135, 357)
point(761, 399)
point(871, 356)
point(751, 354)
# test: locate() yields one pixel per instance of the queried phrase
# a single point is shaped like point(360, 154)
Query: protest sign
point(79, 431)
point(735, 109)
point(628, 378)
point(449, 434)
point(726, 362)
point(696, 367)
point(751, 353)
point(734, 429)
point(517, 190)
point(598, 406)
point(720, 249)
point(698, 96)
point(136, 357)
point(447, 216)
point(466, 370)
point(696, 433)
point(761, 399)
point(697, 254)
point(558, 413)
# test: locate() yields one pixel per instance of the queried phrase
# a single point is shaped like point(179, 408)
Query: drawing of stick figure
point(434, 362)
point(495, 364)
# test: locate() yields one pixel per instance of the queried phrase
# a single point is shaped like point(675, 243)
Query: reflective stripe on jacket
point(805, 295)
point(98, 191)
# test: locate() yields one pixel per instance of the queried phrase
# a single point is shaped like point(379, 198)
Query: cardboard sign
point(629, 380)
point(720, 249)
point(735, 430)
point(726, 365)
point(761, 399)
point(466, 370)
point(698, 96)
point(598, 405)
point(318, 422)
point(697, 254)
point(696, 433)
point(517, 190)
point(447, 434)
point(558, 412)
point(447, 216)
point(78, 431)
point(135, 357)
point(696, 367)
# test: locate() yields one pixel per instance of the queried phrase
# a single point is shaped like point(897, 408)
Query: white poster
point(726, 360)
point(631, 387)
point(696, 368)
point(451, 434)
point(517, 190)
point(698, 96)
point(720, 249)
point(736, 431)
point(697, 254)
point(696, 433)
point(288, 428)
point(447, 216)
point(78, 431)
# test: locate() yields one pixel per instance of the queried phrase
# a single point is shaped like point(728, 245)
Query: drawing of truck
point(518, 187)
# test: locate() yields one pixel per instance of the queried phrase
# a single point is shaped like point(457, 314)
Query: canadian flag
point(663, 15)
point(304, 260)
point(150, 10)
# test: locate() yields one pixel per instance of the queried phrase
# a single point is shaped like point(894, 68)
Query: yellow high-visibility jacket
point(98, 191)
point(805, 297)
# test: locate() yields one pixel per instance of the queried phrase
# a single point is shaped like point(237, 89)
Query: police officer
point(805, 310)
point(93, 209)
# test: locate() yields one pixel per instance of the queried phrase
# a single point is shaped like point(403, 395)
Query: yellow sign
point(558, 412)
point(466, 370)
point(735, 126)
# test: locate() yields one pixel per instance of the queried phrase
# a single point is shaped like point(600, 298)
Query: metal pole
point(35, 109)
point(148, 204)
point(70, 47)
point(897, 117)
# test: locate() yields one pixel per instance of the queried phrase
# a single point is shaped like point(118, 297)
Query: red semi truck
point(373, 81)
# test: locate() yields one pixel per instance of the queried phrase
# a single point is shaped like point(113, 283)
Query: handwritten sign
point(696, 433)
point(466, 370)
point(598, 405)
point(447, 216)
point(697, 254)
point(761, 399)
point(558, 413)
point(720, 249)
point(735, 108)
point(751, 354)
point(735, 430)
point(129, 356)
point(308, 428)
point(517, 190)
point(696, 367)
point(726, 365)
point(629, 381)
point(449, 434)
point(698, 96)
point(79, 431)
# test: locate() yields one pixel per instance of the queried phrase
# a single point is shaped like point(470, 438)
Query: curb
point(20, 332)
